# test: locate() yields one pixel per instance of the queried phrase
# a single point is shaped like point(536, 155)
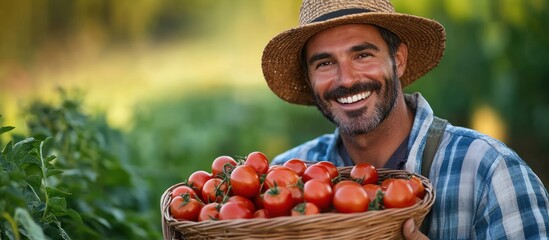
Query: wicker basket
point(384, 224)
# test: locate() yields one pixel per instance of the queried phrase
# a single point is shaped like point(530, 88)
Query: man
point(351, 59)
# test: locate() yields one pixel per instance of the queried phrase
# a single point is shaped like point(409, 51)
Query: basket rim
point(418, 211)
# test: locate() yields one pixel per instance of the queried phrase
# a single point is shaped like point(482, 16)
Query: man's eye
point(364, 55)
point(322, 64)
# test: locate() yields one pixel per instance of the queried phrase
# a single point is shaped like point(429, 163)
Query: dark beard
point(354, 122)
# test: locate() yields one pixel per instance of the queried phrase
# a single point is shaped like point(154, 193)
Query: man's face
point(352, 76)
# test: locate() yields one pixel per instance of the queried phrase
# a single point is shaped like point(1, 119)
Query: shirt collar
point(418, 135)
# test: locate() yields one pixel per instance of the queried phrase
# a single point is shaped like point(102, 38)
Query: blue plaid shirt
point(484, 190)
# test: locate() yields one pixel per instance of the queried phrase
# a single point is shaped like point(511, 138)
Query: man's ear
point(401, 57)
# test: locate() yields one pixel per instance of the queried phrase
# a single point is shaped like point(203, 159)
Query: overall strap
point(434, 137)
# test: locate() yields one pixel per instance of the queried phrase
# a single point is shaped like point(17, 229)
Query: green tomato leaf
point(57, 206)
point(32, 229)
point(12, 225)
point(21, 149)
point(34, 180)
point(7, 150)
point(54, 192)
point(52, 172)
point(5, 129)
point(50, 158)
point(75, 216)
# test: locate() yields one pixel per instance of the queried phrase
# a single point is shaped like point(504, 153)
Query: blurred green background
point(181, 80)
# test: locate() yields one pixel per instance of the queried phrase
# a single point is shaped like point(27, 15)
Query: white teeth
point(354, 98)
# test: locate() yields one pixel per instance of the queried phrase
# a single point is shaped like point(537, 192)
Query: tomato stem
point(274, 189)
point(262, 181)
point(300, 208)
point(227, 170)
point(226, 196)
point(377, 202)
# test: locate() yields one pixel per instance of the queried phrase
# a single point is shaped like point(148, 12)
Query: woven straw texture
point(383, 224)
point(281, 60)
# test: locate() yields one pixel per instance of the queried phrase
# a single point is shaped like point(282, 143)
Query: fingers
point(411, 231)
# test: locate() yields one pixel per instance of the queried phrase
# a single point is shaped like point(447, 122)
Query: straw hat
point(281, 60)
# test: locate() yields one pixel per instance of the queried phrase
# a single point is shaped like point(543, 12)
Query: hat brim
point(281, 61)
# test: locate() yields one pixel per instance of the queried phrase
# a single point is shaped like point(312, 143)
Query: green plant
point(31, 204)
point(87, 191)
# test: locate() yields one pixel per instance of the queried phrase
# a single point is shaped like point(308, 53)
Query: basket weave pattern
point(383, 224)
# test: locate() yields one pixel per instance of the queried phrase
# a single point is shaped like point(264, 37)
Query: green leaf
point(7, 149)
point(34, 152)
point(54, 192)
point(21, 149)
point(57, 206)
point(5, 129)
point(12, 224)
point(25, 141)
point(75, 216)
point(4, 179)
point(16, 176)
point(101, 221)
point(50, 158)
point(33, 230)
point(34, 180)
point(52, 172)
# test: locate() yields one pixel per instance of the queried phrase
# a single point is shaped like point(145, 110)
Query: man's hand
point(411, 231)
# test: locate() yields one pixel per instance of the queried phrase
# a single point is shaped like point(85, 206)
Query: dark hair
point(392, 40)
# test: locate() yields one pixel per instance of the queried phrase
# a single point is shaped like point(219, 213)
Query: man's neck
point(376, 147)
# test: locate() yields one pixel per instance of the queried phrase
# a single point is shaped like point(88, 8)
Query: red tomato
point(351, 199)
point(305, 208)
point(385, 183)
point(210, 211)
point(297, 194)
point(297, 165)
point(273, 167)
point(261, 213)
point(283, 176)
point(244, 181)
point(332, 169)
point(343, 183)
point(219, 167)
point(278, 202)
point(214, 190)
point(258, 201)
point(180, 190)
point(258, 161)
point(399, 194)
point(197, 179)
point(317, 172)
point(318, 192)
point(244, 201)
point(185, 208)
point(364, 173)
point(234, 210)
point(371, 190)
point(417, 186)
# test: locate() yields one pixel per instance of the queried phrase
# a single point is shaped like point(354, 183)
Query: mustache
point(354, 89)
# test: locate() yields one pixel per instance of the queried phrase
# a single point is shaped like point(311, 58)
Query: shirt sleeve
point(484, 190)
point(514, 204)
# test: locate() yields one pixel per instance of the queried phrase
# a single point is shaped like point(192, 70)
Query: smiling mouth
point(354, 98)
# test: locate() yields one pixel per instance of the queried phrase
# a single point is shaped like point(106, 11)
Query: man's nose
point(347, 74)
